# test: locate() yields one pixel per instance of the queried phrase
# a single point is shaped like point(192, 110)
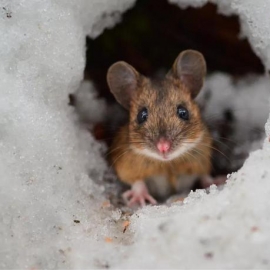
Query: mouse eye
point(142, 115)
point(182, 113)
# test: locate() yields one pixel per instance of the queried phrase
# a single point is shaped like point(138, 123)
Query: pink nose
point(163, 146)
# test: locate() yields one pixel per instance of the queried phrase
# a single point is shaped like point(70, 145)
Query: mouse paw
point(138, 194)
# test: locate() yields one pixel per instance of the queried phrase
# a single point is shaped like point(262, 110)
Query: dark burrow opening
point(153, 33)
point(150, 37)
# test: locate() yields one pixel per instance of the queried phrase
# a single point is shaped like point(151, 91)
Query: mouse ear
point(190, 68)
point(123, 81)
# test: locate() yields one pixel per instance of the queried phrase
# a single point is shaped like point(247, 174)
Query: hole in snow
point(152, 34)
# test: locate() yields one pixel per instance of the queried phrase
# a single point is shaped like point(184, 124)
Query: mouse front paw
point(138, 195)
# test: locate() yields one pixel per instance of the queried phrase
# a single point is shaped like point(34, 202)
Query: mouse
point(165, 134)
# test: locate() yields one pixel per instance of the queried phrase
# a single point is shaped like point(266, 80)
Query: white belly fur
point(161, 187)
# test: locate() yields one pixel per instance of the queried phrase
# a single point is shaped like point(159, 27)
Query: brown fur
point(131, 166)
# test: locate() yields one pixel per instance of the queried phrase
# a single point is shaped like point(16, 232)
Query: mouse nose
point(163, 146)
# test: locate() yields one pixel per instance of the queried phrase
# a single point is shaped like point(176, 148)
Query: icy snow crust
point(45, 159)
point(253, 19)
point(53, 211)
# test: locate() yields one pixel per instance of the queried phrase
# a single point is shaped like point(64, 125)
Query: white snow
point(249, 107)
point(54, 212)
point(89, 108)
point(45, 158)
point(253, 20)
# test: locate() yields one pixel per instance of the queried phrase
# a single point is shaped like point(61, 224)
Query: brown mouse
point(165, 134)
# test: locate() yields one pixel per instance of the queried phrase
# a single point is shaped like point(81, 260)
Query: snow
point(254, 23)
point(89, 108)
point(54, 209)
point(248, 109)
point(45, 157)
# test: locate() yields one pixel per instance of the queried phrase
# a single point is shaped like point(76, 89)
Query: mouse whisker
point(196, 158)
point(115, 149)
point(121, 155)
point(202, 154)
point(214, 148)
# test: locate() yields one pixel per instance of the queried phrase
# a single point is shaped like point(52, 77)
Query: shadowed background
point(153, 33)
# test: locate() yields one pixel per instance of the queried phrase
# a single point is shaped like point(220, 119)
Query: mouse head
point(165, 121)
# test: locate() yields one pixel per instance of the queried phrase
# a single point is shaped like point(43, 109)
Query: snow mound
point(48, 165)
point(215, 230)
point(235, 112)
point(253, 20)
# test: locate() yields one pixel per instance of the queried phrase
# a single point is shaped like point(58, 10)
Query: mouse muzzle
point(163, 146)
